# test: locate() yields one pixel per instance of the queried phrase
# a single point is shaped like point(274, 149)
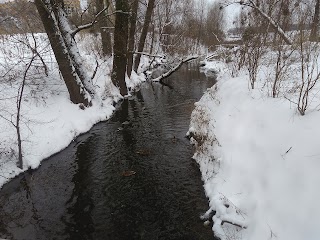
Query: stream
point(131, 177)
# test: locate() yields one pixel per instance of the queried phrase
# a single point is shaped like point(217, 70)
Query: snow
point(134, 80)
point(259, 161)
point(49, 120)
point(213, 67)
point(83, 4)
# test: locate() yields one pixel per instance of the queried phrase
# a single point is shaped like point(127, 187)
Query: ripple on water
point(86, 191)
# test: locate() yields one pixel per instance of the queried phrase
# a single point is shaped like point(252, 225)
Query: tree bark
point(77, 92)
point(132, 31)
point(104, 25)
point(120, 46)
point(144, 33)
point(72, 48)
point(315, 23)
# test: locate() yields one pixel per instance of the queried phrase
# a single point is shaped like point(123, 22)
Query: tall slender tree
point(144, 33)
point(64, 47)
point(315, 24)
point(132, 32)
point(120, 46)
point(104, 25)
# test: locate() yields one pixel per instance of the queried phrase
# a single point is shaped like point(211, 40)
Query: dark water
point(84, 192)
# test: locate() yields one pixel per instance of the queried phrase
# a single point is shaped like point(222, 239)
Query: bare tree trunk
point(72, 48)
point(152, 39)
point(120, 46)
point(77, 92)
point(132, 31)
point(144, 33)
point(315, 23)
point(200, 32)
point(104, 27)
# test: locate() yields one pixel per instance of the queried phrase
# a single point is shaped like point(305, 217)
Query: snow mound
point(213, 68)
point(259, 160)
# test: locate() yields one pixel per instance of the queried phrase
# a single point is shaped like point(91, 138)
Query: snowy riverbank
point(49, 121)
point(259, 160)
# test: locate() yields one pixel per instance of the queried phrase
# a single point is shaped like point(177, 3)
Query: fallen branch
point(234, 224)
point(274, 24)
point(288, 150)
point(283, 155)
point(148, 54)
point(167, 74)
point(95, 70)
point(211, 56)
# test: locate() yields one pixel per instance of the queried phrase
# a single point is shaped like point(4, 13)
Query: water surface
point(131, 177)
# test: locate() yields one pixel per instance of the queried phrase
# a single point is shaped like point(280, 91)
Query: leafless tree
point(17, 70)
point(144, 33)
point(256, 7)
point(120, 46)
point(214, 25)
point(61, 36)
point(105, 25)
point(314, 35)
point(132, 33)
point(310, 73)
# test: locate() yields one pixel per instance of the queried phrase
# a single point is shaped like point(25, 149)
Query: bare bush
point(253, 48)
point(310, 73)
point(283, 64)
point(21, 64)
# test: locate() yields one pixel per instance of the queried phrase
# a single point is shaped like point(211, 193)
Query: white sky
point(231, 11)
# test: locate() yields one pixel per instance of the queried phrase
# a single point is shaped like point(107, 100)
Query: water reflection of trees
point(78, 218)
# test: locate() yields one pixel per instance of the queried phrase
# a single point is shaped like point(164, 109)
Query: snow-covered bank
point(259, 160)
point(49, 121)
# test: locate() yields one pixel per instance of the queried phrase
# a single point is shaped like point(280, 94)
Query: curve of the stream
point(131, 177)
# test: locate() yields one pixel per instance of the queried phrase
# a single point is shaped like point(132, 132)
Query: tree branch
point(5, 19)
point(94, 21)
point(167, 74)
point(275, 25)
point(148, 54)
point(88, 25)
point(234, 224)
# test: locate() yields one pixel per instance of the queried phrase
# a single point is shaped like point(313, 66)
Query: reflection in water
point(82, 193)
point(78, 220)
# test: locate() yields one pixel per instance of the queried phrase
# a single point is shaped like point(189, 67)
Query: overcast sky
point(231, 11)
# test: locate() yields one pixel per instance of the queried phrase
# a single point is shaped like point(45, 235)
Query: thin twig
point(234, 224)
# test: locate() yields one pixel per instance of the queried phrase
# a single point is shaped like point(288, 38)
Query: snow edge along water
point(55, 125)
point(259, 160)
point(208, 155)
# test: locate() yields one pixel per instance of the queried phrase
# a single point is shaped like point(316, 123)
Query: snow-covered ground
point(49, 120)
point(259, 159)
